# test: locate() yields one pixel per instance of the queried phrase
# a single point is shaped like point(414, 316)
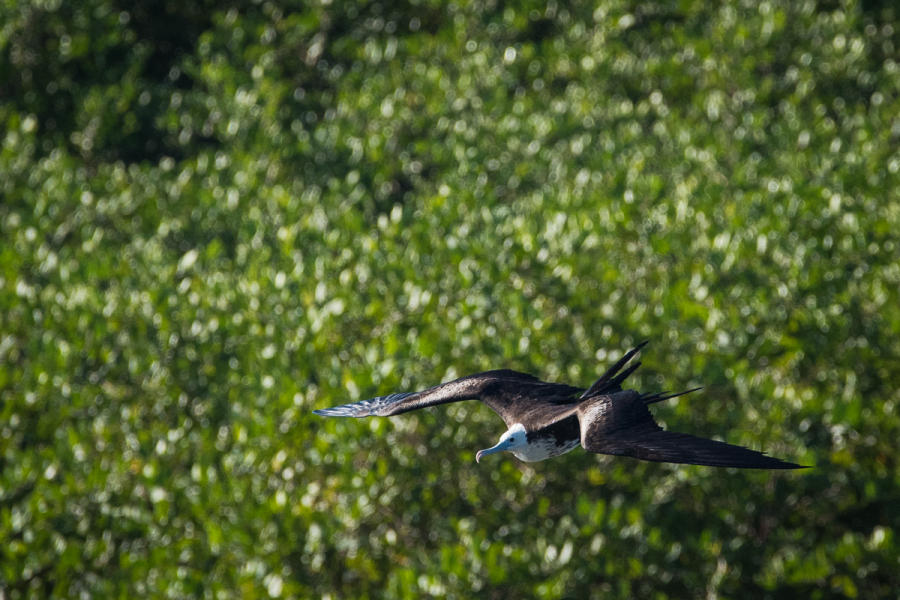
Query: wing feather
point(673, 447)
point(621, 425)
point(365, 408)
point(511, 394)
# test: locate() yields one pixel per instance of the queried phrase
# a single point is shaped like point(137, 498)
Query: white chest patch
point(543, 449)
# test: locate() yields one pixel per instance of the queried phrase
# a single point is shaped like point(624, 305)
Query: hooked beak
point(492, 450)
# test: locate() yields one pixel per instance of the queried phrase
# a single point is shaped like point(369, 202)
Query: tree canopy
point(218, 216)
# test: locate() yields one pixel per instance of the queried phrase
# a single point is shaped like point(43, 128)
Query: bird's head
point(511, 439)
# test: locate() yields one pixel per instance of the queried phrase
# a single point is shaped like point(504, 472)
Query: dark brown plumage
point(547, 419)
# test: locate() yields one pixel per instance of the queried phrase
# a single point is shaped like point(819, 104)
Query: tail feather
point(660, 396)
point(611, 382)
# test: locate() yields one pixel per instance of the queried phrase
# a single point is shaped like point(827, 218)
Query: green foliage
point(217, 217)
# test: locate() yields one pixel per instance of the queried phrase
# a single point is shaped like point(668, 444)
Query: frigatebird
point(548, 419)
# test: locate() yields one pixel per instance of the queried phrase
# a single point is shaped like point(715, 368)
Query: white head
point(513, 438)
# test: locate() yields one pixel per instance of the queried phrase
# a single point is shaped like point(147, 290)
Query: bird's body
point(550, 441)
point(548, 419)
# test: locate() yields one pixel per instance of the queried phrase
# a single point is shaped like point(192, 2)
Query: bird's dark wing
point(511, 394)
point(621, 425)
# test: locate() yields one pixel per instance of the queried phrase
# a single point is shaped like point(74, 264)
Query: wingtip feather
point(336, 411)
point(363, 408)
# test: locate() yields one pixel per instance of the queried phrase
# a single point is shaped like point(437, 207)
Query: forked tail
point(611, 380)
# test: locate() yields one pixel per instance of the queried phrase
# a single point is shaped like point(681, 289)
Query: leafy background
point(217, 216)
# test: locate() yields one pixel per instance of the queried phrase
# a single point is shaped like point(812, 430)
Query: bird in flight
point(545, 419)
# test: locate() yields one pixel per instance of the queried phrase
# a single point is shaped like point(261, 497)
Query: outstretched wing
point(508, 393)
point(621, 425)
